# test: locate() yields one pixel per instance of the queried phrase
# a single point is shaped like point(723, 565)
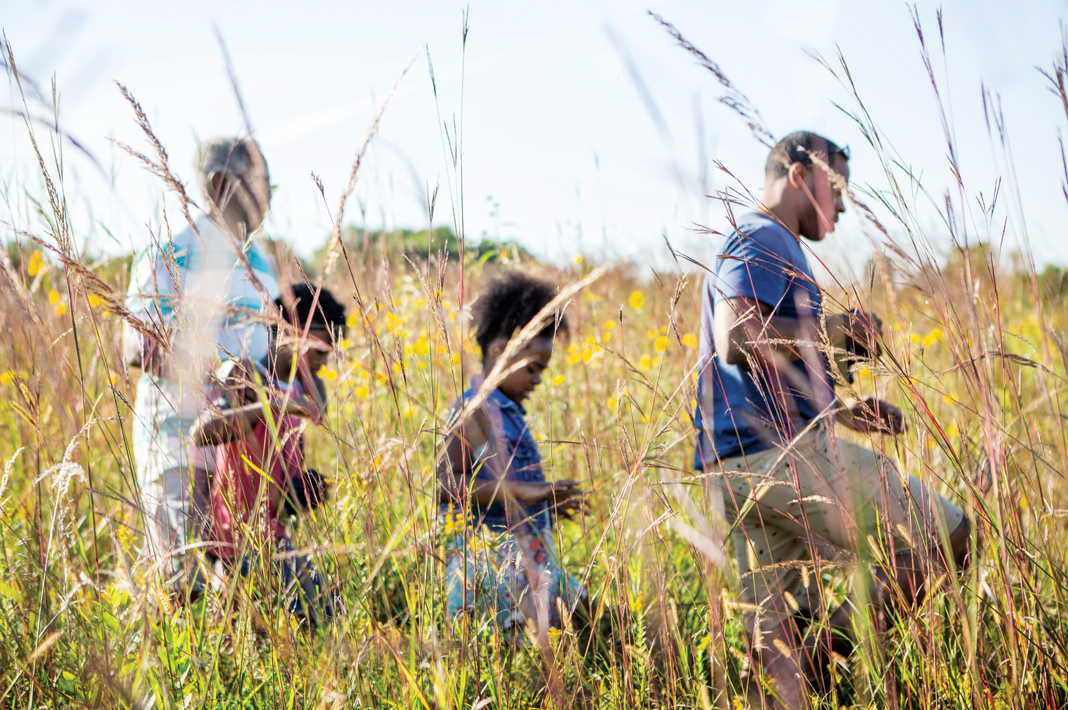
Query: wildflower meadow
point(974, 353)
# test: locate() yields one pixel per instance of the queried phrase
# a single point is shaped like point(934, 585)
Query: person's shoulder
point(757, 234)
point(200, 228)
point(261, 261)
point(759, 228)
point(181, 242)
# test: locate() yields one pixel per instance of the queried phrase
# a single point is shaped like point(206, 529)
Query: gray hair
point(240, 158)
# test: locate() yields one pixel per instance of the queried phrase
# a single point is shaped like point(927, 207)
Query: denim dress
point(511, 571)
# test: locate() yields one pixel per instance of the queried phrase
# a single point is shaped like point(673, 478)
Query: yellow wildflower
point(61, 309)
point(36, 264)
point(421, 347)
point(660, 344)
point(645, 362)
point(689, 340)
point(609, 324)
point(7, 378)
point(352, 320)
point(327, 373)
point(94, 300)
point(579, 259)
point(637, 300)
point(53, 297)
point(363, 391)
point(933, 337)
point(587, 355)
point(559, 380)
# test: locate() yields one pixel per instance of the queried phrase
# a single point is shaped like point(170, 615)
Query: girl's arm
point(458, 485)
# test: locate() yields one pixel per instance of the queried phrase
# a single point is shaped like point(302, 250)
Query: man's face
point(825, 197)
point(249, 192)
point(518, 385)
point(254, 195)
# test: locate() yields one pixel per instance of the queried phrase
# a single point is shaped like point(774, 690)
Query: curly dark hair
point(329, 312)
point(508, 303)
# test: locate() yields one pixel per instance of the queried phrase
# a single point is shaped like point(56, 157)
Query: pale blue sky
point(554, 126)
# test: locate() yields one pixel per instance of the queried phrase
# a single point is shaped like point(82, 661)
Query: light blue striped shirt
point(195, 285)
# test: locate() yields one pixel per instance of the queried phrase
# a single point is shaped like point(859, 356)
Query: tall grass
point(975, 354)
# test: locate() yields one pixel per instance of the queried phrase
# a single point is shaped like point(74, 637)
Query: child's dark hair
point(329, 313)
point(509, 303)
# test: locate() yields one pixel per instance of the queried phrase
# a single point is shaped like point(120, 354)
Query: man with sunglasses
point(803, 501)
point(202, 293)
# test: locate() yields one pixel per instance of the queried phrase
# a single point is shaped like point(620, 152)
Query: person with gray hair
point(205, 292)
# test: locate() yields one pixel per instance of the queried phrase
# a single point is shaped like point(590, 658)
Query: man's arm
point(745, 327)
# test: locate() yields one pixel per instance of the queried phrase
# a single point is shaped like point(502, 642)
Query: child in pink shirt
point(260, 475)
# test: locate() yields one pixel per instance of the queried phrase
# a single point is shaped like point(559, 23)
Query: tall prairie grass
point(974, 353)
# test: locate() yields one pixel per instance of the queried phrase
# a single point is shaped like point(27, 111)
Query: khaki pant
point(822, 496)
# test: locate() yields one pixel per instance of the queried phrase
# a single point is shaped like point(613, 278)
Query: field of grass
point(975, 355)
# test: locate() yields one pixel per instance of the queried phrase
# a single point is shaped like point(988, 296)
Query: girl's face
point(518, 385)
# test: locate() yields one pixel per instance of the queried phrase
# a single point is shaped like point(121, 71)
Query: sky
point(581, 128)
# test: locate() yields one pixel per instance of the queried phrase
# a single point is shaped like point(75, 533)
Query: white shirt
point(196, 285)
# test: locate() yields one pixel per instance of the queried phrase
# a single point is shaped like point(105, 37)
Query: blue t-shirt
point(524, 464)
point(753, 409)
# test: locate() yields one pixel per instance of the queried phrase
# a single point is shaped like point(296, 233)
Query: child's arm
point(458, 484)
point(222, 426)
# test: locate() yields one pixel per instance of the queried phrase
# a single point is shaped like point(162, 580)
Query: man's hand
point(144, 353)
point(873, 416)
point(861, 329)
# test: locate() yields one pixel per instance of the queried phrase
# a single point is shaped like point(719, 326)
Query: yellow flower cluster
point(453, 522)
point(36, 264)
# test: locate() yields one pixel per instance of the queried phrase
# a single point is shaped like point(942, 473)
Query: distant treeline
point(419, 244)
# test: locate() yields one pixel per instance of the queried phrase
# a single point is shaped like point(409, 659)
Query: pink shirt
point(251, 481)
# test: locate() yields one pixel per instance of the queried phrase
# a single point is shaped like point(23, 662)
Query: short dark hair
point(796, 148)
point(329, 313)
point(508, 303)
